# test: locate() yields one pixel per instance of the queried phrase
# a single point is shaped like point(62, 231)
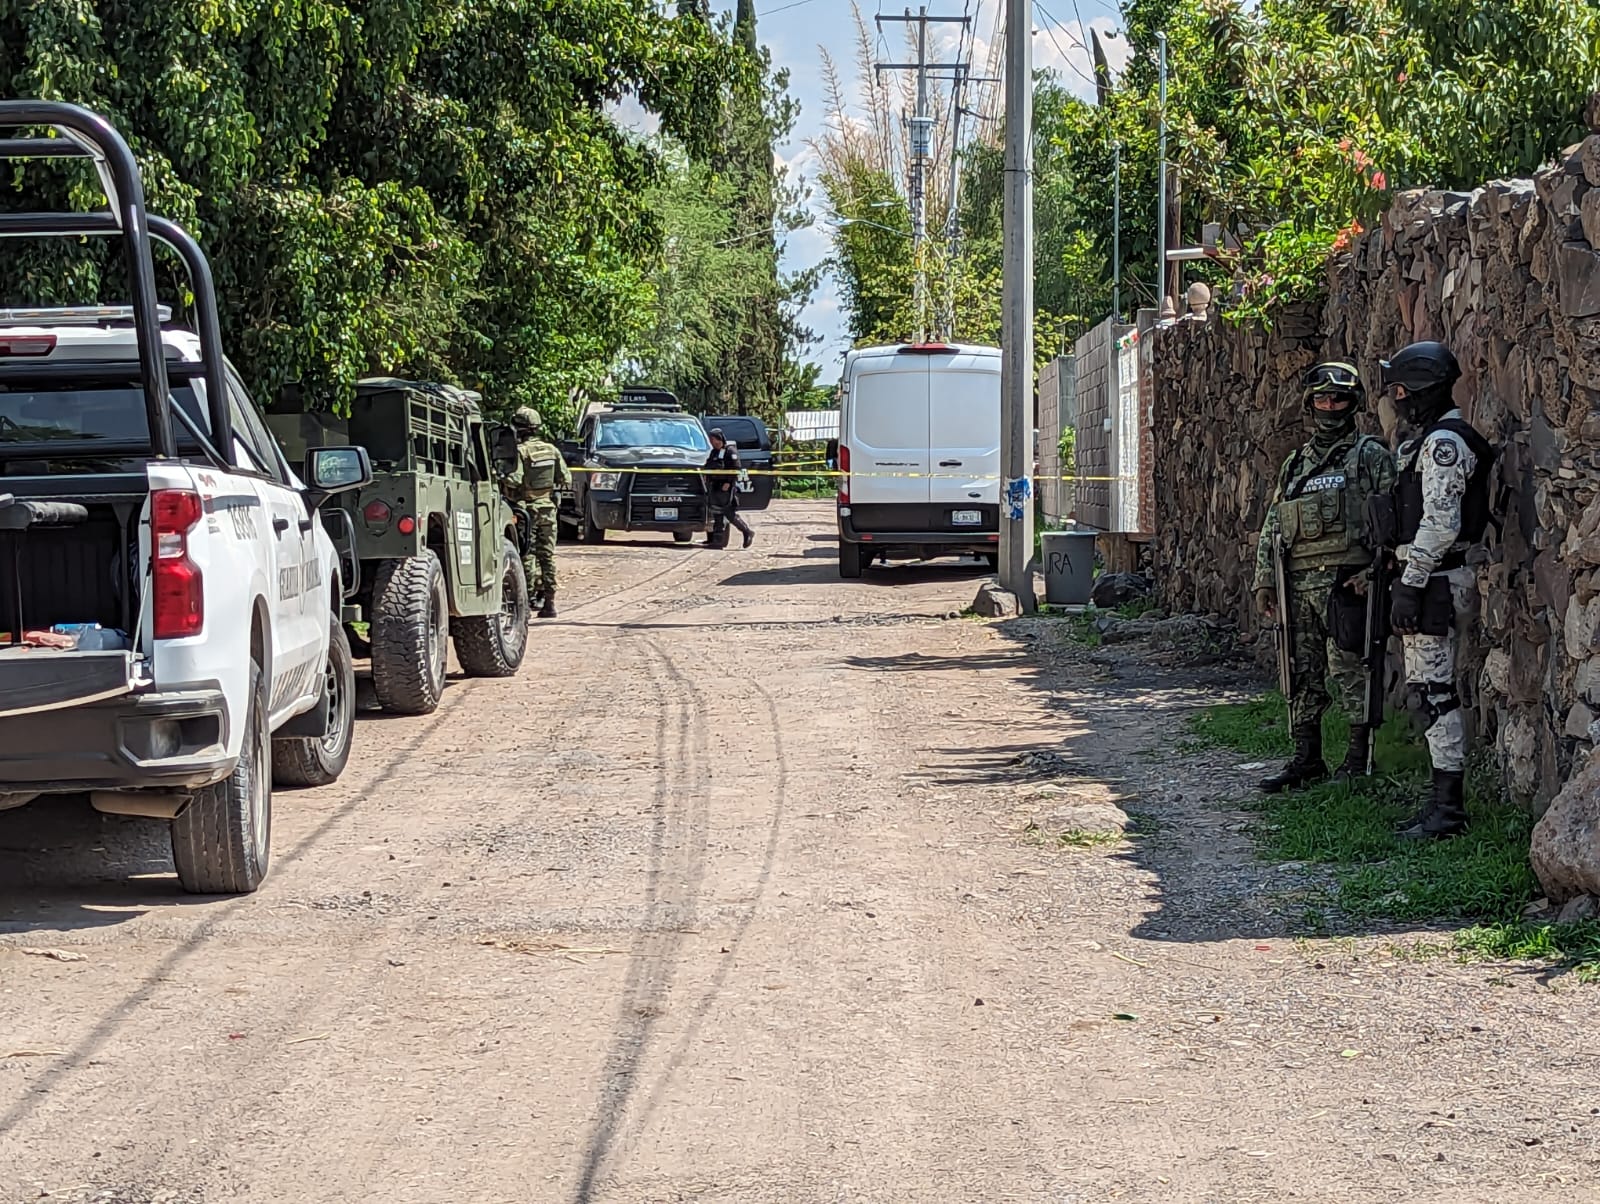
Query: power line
point(1065, 57)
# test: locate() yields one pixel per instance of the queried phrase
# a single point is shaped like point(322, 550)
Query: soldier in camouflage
point(1440, 508)
point(1318, 510)
point(540, 472)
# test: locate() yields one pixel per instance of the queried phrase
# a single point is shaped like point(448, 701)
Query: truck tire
point(410, 634)
point(591, 533)
point(682, 536)
point(308, 760)
point(493, 645)
point(849, 560)
point(222, 840)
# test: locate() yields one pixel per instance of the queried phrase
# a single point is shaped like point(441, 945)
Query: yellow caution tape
point(833, 472)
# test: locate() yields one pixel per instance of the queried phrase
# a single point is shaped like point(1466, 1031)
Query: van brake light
point(844, 481)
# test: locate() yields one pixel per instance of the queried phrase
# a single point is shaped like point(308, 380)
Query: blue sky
point(796, 31)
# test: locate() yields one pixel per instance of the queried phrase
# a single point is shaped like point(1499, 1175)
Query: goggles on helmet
point(1332, 378)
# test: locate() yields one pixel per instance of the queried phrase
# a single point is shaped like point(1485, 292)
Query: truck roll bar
point(87, 135)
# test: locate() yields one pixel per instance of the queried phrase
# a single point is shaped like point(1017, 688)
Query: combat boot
point(548, 610)
point(1446, 813)
point(1355, 757)
point(1306, 766)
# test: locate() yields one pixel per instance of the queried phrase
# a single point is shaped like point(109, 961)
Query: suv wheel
point(410, 634)
point(591, 533)
point(493, 645)
point(314, 760)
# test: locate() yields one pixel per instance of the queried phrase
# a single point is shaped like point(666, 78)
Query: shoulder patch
point(1446, 453)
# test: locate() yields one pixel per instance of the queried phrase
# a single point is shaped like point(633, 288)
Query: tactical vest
point(1474, 503)
point(1321, 526)
point(538, 466)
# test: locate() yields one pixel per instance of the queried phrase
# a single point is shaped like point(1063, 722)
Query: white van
point(919, 447)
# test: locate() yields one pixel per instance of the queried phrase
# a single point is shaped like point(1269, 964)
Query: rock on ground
point(1566, 841)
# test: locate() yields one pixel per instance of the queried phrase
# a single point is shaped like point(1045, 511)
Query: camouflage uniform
point(1446, 464)
point(1323, 488)
point(541, 470)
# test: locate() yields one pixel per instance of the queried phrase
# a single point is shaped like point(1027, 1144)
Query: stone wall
point(1509, 277)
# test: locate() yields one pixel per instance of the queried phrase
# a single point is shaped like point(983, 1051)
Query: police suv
point(170, 635)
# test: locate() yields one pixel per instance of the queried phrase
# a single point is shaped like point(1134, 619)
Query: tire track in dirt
point(730, 948)
point(677, 866)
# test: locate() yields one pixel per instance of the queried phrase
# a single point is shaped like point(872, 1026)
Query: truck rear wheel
point(410, 634)
point(221, 840)
point(493, 645)
point(318, 761)
point(849, 560)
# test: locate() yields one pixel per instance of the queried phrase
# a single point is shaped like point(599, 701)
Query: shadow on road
point(825, 571)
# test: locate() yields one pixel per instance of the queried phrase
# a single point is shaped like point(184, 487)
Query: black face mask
point(1332, 423)
point(1421, 408)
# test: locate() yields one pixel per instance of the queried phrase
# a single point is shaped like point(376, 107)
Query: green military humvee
point(431, 542)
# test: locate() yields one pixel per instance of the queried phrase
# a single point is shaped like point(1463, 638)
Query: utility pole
point(1161, 201)
point(1016, 325)
point(921, 124)
point(1116, 229)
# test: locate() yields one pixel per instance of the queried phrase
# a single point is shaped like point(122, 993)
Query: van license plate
point(666, 514)
point(967, 518)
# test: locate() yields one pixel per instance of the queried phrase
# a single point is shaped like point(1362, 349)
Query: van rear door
point(887, 433)
point(964, 439)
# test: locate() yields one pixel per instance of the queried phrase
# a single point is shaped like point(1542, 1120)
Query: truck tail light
point(376, 513)
point(844, 481)
point(179, 598)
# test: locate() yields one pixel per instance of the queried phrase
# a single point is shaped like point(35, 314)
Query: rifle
point(1282, 636)
point(1375, 650)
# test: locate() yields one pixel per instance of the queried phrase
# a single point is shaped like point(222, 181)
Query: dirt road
point(729, 897)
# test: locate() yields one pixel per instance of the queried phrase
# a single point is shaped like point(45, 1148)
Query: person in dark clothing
point(724, 460)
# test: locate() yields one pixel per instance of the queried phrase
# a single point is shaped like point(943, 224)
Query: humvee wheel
point(493, 645)
point(410, 634)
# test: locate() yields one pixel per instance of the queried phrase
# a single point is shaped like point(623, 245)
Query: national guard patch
point(1446, 453)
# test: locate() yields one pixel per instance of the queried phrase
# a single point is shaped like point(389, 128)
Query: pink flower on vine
point(1380, 181)
point(1402, 77)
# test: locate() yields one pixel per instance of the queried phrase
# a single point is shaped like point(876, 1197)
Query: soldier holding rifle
point(1313, 578)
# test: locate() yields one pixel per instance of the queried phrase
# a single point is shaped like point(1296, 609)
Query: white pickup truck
point(170, 604)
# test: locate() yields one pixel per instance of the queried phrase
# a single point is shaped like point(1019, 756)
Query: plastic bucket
point(1068, 558)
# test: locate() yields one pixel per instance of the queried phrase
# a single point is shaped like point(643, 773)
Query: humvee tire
point(493, 645)
point(410, 634)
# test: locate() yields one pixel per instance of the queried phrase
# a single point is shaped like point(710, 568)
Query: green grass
point(1080, 624)
point(1080, 838)
point(1481, 879)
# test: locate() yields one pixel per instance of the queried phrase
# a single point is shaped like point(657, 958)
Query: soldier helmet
point(1337, 378)
point(1428, 372)
point(1420, 367)
point(526, 418)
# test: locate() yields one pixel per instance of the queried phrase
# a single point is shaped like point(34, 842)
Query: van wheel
point(493, 645)
point(682, 536)
point(410, 634)
point(221, 840)
point(849, 560)
point(318, 761)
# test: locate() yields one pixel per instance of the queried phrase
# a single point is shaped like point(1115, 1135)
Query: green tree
point(433, 188)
